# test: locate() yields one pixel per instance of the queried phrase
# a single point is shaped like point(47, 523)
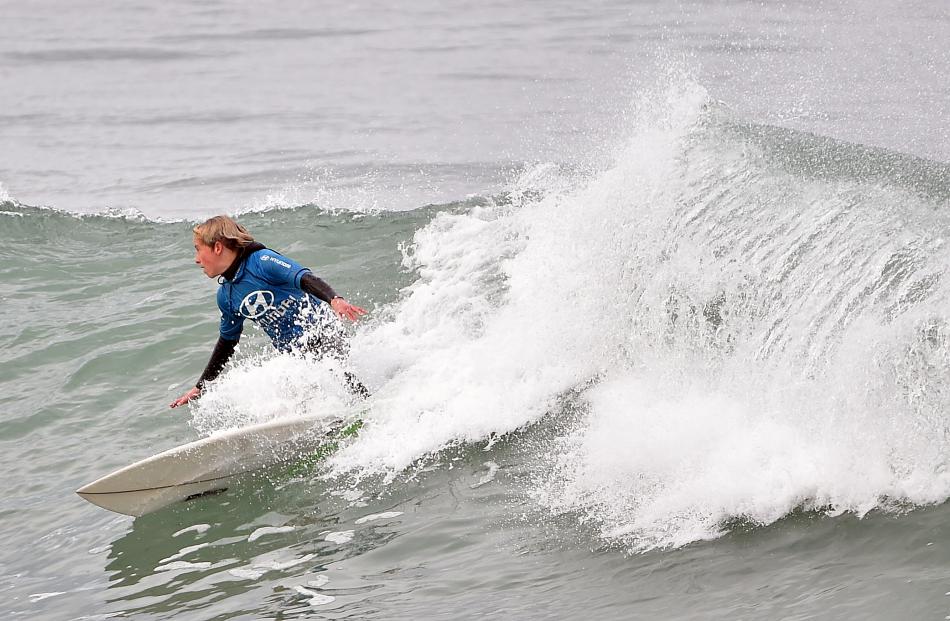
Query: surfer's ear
point(218, 247)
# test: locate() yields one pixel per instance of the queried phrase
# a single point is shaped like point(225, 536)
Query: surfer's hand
point(344, 309)
point(185, 398)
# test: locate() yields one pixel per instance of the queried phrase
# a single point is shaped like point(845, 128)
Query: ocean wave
point(762, 332)
point(732, 322)
point(129, 214)
point(257, 214)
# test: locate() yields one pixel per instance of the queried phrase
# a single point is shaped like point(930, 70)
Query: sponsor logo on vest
point(257, 303)
point(267, 257)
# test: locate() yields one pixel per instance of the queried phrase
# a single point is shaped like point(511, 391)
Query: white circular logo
point(256, 303)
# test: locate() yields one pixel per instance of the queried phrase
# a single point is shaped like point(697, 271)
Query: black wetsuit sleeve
point(317, 287)
point(223, 351)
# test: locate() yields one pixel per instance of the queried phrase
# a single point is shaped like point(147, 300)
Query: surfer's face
point(212, 259)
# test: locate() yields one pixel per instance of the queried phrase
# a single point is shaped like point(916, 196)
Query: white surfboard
point(209, 465)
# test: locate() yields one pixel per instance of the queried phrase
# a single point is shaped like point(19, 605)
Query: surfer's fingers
point(355, 311)
point(351, 312)
point(185, 398)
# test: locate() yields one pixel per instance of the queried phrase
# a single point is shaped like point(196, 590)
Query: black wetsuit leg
point(355, 386)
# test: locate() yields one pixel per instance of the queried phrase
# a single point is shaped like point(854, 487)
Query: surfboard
point(209, 465)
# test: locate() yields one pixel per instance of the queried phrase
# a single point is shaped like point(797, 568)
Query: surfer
point(296, 309)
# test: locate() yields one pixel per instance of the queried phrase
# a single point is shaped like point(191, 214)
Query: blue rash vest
point(266, 289)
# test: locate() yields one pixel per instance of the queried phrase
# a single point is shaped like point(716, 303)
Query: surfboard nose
point(111, 502)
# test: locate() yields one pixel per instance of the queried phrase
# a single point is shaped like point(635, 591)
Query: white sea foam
point(267, 388)
point(318, 582)
point(196, 528)
point(247, 573)
point(488, 477)
point(269, 530)
point(267, 562)
point(514, 304)
point(350, 495)
point(756, 374)
point(182, 566)
point(341, 537)
point(316, 599)
point(386, 515)
point(184, 552)
point(732, 338)
point(277, 565)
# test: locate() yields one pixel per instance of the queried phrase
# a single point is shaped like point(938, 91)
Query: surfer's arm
point(223, 350)
point(319, 288)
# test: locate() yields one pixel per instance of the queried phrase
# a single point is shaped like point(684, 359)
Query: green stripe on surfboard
point(307, 463)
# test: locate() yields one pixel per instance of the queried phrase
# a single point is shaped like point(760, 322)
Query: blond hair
point(225, 230)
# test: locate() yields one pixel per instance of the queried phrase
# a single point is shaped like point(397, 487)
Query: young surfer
point(284, 298)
